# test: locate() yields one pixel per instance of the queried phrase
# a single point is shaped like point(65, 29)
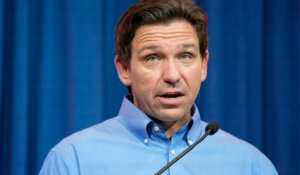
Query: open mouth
point(172, 95)
point(171, 99)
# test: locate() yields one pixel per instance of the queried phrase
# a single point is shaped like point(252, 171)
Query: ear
point(204, 66)
point(123, 71)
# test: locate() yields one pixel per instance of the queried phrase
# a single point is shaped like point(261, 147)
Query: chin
point(171, 115)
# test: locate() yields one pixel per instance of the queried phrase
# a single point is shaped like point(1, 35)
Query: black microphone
point(210, 129)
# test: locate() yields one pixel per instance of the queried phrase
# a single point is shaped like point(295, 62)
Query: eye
point(185, 57)
point(152, 58)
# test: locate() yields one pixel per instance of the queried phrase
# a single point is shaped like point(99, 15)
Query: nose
point(171, 72)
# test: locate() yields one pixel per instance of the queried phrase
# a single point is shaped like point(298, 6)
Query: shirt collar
point(141, 125)
point(195, 127)
point(134, 119)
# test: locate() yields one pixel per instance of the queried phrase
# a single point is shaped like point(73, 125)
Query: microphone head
point(212, 128)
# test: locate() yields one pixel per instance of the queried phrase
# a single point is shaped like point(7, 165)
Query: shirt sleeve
point(62, 162)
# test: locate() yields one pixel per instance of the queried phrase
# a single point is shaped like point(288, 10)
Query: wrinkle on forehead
point(177, 30)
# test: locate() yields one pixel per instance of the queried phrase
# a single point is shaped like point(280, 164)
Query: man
point(161, 56)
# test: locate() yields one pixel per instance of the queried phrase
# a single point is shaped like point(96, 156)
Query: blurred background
point(57, 75)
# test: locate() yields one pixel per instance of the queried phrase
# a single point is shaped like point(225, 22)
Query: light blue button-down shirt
point(132, 144)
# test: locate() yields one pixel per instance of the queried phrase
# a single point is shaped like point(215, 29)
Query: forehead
point(176, 32)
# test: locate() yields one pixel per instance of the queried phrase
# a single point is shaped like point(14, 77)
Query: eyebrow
point(150, 47)
point(155, 47)
point(187, 46)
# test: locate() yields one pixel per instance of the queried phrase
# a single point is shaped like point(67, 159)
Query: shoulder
point(229, 147)
point(64, 157)
point(107, 129)
point(226, 141)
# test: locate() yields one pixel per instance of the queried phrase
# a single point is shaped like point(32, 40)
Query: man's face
point(166, 70)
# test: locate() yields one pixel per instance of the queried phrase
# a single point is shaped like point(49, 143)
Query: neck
point(174, 126)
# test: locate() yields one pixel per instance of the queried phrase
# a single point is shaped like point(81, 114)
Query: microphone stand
point(209, 130)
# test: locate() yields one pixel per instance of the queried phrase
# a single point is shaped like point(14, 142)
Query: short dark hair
point(147, 12)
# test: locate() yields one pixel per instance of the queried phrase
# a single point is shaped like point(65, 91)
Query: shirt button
point(156, 128)
point(173, 151)
point(190, 142)
point(146, 141)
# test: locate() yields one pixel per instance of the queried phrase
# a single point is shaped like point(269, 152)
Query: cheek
point(194, 79)
point(143, 81)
